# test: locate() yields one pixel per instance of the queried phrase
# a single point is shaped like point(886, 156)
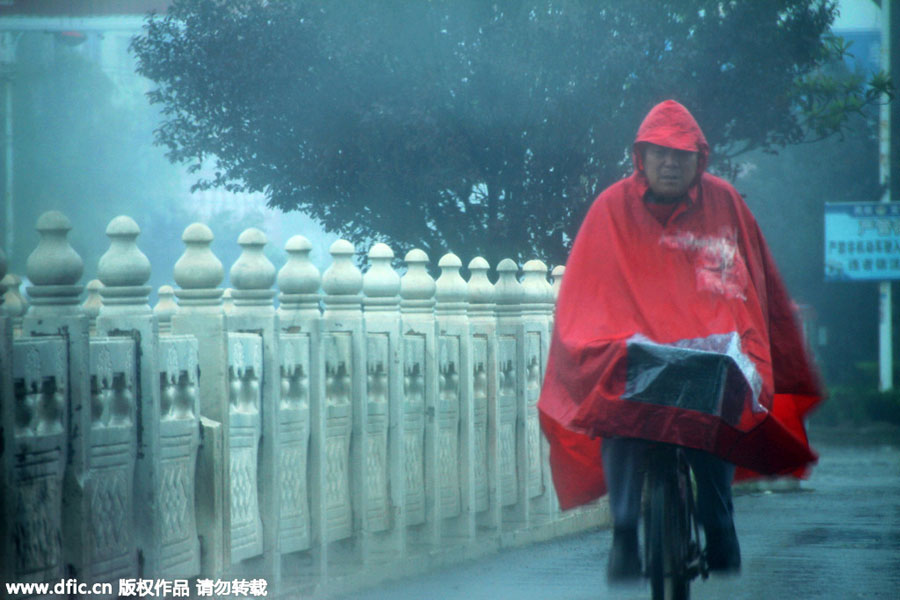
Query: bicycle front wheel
point(666, 538)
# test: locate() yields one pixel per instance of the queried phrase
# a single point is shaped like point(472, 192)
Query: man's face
point(669, 171)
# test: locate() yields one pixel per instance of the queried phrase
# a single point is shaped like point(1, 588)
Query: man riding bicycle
point(673, 325)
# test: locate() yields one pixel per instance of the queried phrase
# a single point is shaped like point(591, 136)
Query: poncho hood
point(671, 125)
point(679, 331)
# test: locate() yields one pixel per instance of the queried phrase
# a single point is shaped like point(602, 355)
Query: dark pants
point(624, 464)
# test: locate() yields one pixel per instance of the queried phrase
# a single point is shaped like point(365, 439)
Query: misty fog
point(82, 143)
point(80, 140)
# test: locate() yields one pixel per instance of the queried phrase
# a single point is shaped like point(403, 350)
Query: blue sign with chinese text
point(862, 241)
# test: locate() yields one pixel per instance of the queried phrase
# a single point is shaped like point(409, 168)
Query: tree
point(478, 127)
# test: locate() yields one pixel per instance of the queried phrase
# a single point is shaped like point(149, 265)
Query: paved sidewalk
point(838, 536)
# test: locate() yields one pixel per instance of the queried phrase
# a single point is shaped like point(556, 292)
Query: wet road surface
point(838, 536)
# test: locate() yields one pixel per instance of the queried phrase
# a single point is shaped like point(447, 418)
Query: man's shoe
point(723, 552)
point(624, 559)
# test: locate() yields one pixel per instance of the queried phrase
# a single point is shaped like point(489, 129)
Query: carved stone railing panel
point(338, 430)
point(506, 416)
point(448, 410)
point(294, 426)
point(480, 399)
point(40, 381)
point(378, 502)
point(179, 439)
point(533, 379)
point(414, 426)
point(244, 372)
point(112, 458)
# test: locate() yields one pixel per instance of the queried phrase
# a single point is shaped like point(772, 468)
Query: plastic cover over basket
point(702, 374)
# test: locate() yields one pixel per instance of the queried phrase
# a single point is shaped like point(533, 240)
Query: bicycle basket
point(688, 378)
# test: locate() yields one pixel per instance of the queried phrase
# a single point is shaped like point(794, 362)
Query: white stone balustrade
point(245, 374)
point(54, 268)
point(510, 393)
point(91, 305)
point(345, 411)
point(124, 270)
point(255, 408)
point(115, 400)
point(373, 424)
point(253, 274)
point(419, 393)
point(299, 281)
point(59, 447)
point(536, 323)
point(167, 478)
point(198, 273)
point(165, 307)
point(557, 275)
point(301, 422)
point(113, 451)
point(483, 333)
point(453, 411)
point(37, 423)
point(537, 292)
point(227, 301)
point(14, 304)
point(385, 459)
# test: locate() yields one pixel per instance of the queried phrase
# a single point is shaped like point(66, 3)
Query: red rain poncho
point(680, 333)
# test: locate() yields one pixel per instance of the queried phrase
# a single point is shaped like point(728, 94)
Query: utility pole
point(8, 42)
point(889, 177)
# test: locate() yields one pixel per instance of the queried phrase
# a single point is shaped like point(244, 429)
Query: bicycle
point(672, 550)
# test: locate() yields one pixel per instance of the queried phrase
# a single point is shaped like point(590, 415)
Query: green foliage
point(857, 401)
point(830, 96)
point(481, 127)
point(858, 405)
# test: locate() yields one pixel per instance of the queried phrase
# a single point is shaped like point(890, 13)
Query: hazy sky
point(858, 14)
